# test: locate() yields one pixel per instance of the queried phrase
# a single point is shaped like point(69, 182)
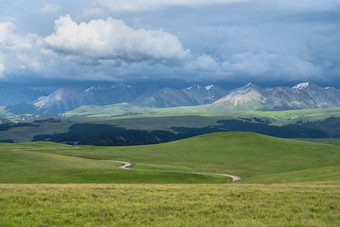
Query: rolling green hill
point(325, 141)
point(125, 110)
point(310, 172)
point(254, 157)
point(23, 163)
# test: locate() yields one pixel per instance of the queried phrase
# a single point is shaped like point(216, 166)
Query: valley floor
point(301, 204)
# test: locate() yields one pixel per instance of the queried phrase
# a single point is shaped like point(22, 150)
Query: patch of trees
point(49, 120)
point(109, 135)
point(101, 134)
point(289, 131)
point(6, 127)
point(6, 141)
point(330, 126)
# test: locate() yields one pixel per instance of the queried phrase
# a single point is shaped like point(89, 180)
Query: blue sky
point(118, 40)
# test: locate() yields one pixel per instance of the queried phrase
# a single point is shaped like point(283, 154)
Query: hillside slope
point(249, 155)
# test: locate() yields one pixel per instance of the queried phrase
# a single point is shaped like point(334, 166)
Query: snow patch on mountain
point(301, 86)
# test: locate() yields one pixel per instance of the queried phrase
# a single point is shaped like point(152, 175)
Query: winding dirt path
point(127, 165)
point(235, 178)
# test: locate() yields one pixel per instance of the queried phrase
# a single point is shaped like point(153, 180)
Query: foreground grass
point(171, 205)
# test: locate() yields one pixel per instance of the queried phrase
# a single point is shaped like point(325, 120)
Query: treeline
point(109, 135)
point(287, 131)
point(101, 134)
point(331, 126)
point(6, 127)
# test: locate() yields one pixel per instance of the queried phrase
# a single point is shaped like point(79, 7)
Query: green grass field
point(284, 182)
point(124, 110)
point(255, 158)
point(170, 205)
point(325, 141)
point(156, 119)
point(28, 166)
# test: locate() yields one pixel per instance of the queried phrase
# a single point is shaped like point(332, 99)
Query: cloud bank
point(269, 64)
point(113, 40)
point(227, 40)
point(95, 49)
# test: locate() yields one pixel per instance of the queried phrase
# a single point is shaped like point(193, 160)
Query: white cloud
point(2, 69)
point(113, 39)
point(266, 64)
point(205, 63)
point(50, 8)
point(19, 52)
point(93, 50)
point(6, 29)
point(250, 63)
point(144, 5)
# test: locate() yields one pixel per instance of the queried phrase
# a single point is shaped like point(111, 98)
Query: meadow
point(138, 118)
point(170, 205)
point(284, 182)
point(254, 157)
point(125, 110)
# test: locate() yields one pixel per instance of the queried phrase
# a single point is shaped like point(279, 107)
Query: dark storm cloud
point(221, 40)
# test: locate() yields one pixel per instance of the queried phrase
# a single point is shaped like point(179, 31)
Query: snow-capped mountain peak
point(301, 86)
point(194, 86)
point(207, 88)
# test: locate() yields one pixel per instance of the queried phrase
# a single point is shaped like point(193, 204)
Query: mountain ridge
point(304, 95)
point(301, 96)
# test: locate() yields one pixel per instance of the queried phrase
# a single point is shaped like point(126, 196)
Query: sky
point(235, 41)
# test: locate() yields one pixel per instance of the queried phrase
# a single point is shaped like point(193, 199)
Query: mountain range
point(249, 97)
point(302, 96)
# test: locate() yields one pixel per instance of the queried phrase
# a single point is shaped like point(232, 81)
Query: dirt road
point(127, 165)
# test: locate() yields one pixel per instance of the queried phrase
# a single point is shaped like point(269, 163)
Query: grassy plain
point(309, 196)
point(171, 205)
point(325, 141)
point(23, 164)
point(125, 110)
point(255, 158)
point(156, 119)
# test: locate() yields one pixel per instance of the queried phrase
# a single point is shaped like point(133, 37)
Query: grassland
point(156, 119)
point(28, 166)
point(177, 195)
point(170, 205)
point(124, 110)
point(255, 158)
point(325, 141)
